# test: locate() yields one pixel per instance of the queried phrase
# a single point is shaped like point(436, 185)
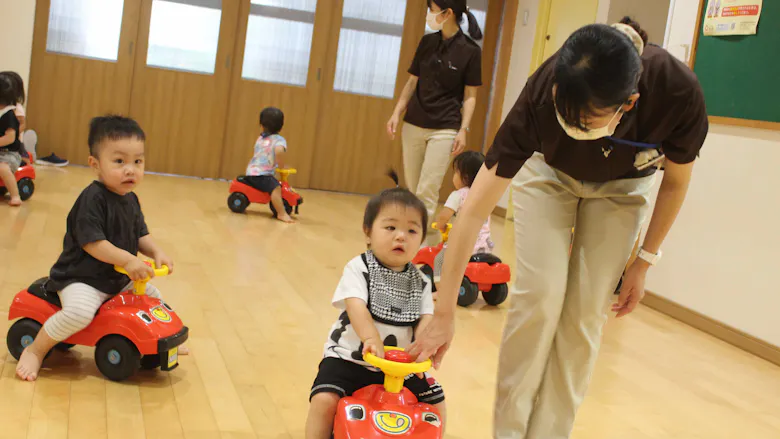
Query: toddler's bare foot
point(29, 365)
point(15, 201)
point(285, 218)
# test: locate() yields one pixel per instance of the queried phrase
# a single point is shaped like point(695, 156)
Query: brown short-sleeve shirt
point(670, 113)
point(444, 68)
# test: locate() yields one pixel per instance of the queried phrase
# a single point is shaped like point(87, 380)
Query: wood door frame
point(224, 63)
point(37, 107)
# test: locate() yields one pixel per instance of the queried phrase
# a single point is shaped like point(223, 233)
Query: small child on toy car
point(269, 152)
point(11, 148)
point(105, 228)
point(466, 166)
point(385, 300)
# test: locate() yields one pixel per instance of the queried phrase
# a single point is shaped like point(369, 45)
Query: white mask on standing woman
point(432, 23)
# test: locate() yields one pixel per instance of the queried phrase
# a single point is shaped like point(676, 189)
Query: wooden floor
point(256, 295)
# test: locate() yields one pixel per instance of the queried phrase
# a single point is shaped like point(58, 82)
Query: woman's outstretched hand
point(434, 341)
point(633, 289)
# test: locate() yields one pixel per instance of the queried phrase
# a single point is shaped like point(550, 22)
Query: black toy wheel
point(238, 202)
point(3, 191)
point(150, 362)
point(287, 207)
point(117, 358)
point(428, 272)
point(20, 335)
point(468, 293)
point(497, 295)
point(26, 188)
point(63, 347)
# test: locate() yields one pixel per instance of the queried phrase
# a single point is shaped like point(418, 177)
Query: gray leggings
point(80, 303)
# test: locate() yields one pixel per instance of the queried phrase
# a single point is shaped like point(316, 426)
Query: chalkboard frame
point(762, 124)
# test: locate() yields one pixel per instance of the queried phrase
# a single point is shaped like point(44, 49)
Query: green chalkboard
point(740, 75)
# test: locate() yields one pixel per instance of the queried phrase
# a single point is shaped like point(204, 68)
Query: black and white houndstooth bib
point(394, 298)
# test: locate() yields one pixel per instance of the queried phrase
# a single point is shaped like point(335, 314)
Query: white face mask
point(431, 20)
point(593, 134)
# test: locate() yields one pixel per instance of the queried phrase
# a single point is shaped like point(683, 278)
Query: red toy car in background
point(389, 410)
point(24, 180)
point(242, 194)
point(131, 330)
point(485, 272)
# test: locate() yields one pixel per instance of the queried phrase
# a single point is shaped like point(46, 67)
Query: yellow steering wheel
point(444, 234)
point(394, 371)
point(284, 173)
point(139, 286)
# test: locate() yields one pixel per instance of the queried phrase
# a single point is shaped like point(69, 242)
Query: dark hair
point(7, 93)
point(272, 120)
point(112, 127)
point(468, 164)
point(459, 8)
point(397, 195)
point(598, 67)
point(17, 87)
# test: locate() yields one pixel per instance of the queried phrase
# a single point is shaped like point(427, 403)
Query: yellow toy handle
point(445, 234)
point(139, 286)
point(396, 372)
point(284, 173)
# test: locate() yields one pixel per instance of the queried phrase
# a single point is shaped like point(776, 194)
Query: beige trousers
point(559, 302)
point(427, 155)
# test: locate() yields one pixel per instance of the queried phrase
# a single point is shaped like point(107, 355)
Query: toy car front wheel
point(468, 293)
point(238, 202)
point(287, 207)
point(26, 188)
point(3, 191)
point(497, 295)
point(20, 335)
point(117, 357)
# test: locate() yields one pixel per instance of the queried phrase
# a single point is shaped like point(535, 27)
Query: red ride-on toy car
point(242, 194)
point(377, 411)
point(485, 272)
point(130, 331)
point(24, 180)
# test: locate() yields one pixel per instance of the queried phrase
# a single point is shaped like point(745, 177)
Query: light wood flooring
point(256, 296)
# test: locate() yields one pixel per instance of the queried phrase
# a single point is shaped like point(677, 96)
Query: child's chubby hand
point(138, 270)
point(375, 346)
point(160, 259)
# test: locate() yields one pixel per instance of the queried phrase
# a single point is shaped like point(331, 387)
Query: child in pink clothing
point(466, 166)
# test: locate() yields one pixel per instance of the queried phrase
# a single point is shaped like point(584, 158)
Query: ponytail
point(474, 31)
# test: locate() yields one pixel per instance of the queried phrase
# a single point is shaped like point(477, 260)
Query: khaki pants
point(427, 155)
point(559, 302)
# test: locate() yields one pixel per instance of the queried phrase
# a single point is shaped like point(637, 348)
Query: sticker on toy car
point(393, 423)
point(161, 314)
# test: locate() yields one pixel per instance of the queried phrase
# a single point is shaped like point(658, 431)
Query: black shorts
point(263, 183)
point(344, 378)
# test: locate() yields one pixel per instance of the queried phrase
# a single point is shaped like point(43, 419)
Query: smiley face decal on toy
point(161, 314)
point(393, 423)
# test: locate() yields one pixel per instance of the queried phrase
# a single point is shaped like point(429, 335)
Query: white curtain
point(86, 28)
point(278, 41)
point(369, 47)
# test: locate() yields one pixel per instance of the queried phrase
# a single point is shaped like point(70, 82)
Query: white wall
point(16, 45)
point(720, 257)
point(652, 15)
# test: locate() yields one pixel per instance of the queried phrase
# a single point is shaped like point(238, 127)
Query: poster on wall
point(732, 17)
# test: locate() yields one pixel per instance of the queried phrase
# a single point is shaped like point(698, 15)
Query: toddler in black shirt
point(105, 228)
